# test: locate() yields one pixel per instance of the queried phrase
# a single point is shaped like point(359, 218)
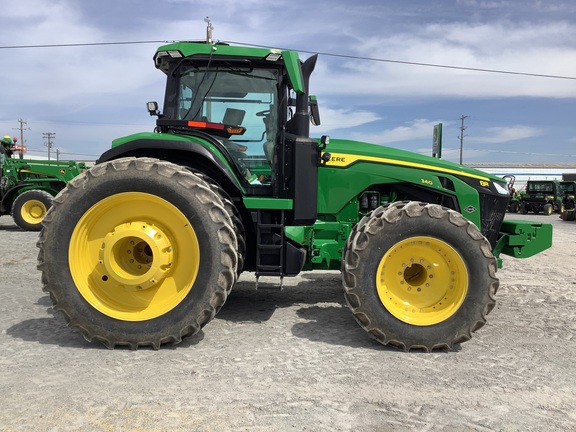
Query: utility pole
point(22, 142)
point(49, 136)
point(462, 129)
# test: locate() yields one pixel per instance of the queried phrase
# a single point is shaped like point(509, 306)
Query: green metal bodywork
point(376, 165)
point(290, 58)
point(357, 166)
point(523, 239)
point(21, 175)
point(353, 170)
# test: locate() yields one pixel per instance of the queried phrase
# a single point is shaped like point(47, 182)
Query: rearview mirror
point(314, 112)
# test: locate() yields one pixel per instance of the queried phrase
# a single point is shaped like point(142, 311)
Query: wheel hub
point(422, 280)
point(135, 256)
point(33, 211)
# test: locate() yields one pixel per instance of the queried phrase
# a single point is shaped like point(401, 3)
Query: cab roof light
point(273, 56)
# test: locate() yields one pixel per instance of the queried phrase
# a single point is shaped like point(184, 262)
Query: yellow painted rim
point(422, 280)
point(134, 256)
point(33, 211)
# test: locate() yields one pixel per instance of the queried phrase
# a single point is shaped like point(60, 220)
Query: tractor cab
point(232, 101)
point(253, 106)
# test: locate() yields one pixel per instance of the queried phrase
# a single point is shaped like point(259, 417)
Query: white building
point(525, 172)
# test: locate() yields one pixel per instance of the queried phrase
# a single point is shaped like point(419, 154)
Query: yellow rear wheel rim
point(134, 256)
point(33, 211)
point(422, 281)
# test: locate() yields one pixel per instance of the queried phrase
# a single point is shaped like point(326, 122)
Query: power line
point(327, 54)
point(71, 45)
point(417, 63)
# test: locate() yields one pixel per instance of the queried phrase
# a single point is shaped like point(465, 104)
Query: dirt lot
point(295, 360)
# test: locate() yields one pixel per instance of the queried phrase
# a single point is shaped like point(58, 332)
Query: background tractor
point(28, 186)
point(157, 233)
point(542, 196)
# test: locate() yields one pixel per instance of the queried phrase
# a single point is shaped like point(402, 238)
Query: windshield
point(567, 188)
point(236, 96)
point(547, 187)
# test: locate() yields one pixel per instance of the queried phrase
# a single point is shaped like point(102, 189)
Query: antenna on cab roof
point(209, 28)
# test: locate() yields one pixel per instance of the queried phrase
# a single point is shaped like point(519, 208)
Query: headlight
point(501, 189)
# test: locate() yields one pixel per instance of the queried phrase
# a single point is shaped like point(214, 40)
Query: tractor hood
point(345, 153)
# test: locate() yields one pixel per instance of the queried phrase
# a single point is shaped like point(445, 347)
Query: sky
point(377, 78)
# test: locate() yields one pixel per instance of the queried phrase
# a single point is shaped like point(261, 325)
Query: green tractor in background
point(144, 248)
point(27, 186)
point(542, 196)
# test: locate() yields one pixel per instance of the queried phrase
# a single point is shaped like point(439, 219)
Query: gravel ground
point(295, 360)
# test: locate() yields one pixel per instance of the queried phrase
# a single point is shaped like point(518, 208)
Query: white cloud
point(420, 129)
point(332, 119)
point(506, 134)
point(484, 4)
point(72, 77)
point(505, 46)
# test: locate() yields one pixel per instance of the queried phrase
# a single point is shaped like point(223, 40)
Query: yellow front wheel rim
point(422, 280)
point(33, 211)
point(134, 256)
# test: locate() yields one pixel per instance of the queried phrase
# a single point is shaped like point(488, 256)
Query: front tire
point(30, 208)
point(419, 276)
point(137, 252)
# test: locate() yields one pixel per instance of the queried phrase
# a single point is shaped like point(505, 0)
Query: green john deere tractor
point(542, 196)
point(144, 248)
point(28, 186)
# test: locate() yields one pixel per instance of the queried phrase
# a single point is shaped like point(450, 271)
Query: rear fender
point(185, 153)
point(12, 193)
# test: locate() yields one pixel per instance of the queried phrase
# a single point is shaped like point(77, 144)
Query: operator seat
point(233, 116)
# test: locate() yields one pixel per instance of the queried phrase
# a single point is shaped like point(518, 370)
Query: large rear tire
point(138, 252)
point(30, 208)
point(234, 215)
point(419, 276)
